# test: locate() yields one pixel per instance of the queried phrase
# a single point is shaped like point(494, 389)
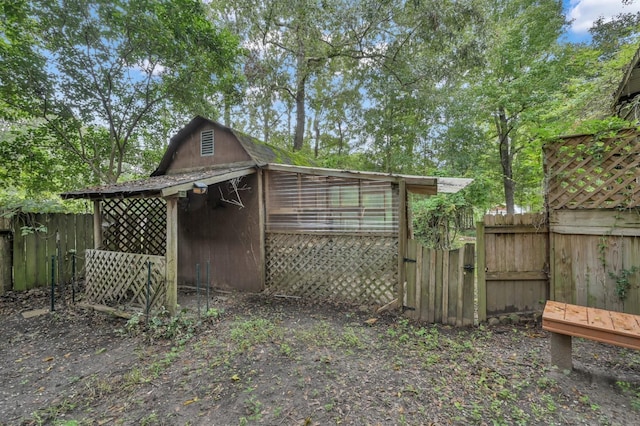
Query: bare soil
point(257, 360)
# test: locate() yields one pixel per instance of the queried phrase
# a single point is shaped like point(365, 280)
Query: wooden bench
point(564, 320)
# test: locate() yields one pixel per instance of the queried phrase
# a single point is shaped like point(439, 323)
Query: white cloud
point(585, 12)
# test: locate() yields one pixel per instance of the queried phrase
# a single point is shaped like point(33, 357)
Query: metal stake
point(198, 286)
point(53, 282)
point(208, 264)
point(73, 276)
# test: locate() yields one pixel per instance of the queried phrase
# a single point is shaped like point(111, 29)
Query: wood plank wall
point(513, 264)
point(440, 284)
point(589, 248)
point(32, 252)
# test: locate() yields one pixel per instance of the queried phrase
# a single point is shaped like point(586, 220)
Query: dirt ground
point(257, 360)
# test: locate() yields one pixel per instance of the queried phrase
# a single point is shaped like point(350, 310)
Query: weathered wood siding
point(227, 150)
point(589, 249)
point(440, 284)
point(32, 252)
point(227, 235)
point(513, 264)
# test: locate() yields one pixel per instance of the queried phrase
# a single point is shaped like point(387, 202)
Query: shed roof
point(161, 186)
point(262, 156)
point(260, 152)
point(166, 185)
point(629, 86)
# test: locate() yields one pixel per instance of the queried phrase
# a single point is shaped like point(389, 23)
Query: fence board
point(512, 264)
point(32, 252)
point(410, 267)
point(444, 290)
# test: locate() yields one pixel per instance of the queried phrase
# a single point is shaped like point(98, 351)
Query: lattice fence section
point(134, 225)
point(117, 279)
point(354, 269)
point(590, 172)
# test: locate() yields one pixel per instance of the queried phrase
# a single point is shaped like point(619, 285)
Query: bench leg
point(561, 351)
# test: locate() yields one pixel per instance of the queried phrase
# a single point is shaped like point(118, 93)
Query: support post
point(97, 225)
point(402, 240)
point(480, 271)
point(171, 300)
point(561, 351)
point(262, 228)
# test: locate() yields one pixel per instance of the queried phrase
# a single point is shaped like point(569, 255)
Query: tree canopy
point(97, 84)
point(91, 90)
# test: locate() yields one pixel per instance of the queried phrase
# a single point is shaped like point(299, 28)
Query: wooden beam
point(516, 229)
point(262, 228)
point(175, 189)
point(516, 276)
point(402, 239)
point(171, 300)
point(97, 225)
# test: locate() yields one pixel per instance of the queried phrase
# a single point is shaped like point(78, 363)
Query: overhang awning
point(159, 186)
point(428, 185)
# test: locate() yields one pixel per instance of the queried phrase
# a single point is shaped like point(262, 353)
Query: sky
point(584, 12)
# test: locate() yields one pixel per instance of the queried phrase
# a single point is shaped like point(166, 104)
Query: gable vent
point(206, 143)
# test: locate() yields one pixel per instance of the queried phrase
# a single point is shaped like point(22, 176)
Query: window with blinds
point(206, 143)
point(323, 204)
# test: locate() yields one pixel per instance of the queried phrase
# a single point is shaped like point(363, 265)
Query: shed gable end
point(206, 146)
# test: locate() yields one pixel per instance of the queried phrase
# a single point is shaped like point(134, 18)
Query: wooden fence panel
point(591, 250)
point(440, 285)
point(32, 252)
point(513, 264)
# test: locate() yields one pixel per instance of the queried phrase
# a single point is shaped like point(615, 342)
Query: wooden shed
point(259, 217)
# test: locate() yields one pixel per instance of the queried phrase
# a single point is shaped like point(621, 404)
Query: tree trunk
point(506, 159)
point(316, 129)
point(298, 138)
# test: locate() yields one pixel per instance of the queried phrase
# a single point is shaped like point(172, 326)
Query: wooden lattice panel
point(589, 172)
point(354, 269)
point(134, 225)
point(120, 279)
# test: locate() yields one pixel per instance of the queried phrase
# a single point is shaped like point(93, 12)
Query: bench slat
point(615, 328)
point(600, 318)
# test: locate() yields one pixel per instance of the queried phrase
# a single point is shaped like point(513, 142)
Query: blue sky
point(584, 12)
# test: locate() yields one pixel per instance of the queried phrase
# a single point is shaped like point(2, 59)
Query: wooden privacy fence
point(122, 279)
point(46, 235)
point(513, 264)
point(440, 284)
point(595, 258)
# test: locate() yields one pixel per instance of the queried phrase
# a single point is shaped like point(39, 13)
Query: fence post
point(480, 271)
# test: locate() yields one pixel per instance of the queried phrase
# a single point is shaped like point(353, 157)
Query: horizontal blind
point(324, 204)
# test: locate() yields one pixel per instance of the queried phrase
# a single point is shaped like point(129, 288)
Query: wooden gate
point(440, 284)
point(513, 264)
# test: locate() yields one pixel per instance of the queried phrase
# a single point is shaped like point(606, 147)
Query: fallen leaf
point(191, 401)
point(371, 321)
point(48, 359)
point(235, 377)
point(67, 355)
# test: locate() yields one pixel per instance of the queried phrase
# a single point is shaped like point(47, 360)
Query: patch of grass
point(631, 390)
point(52, 414)
point(248, 333)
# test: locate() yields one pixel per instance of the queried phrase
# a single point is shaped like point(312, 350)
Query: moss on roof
point(263, 153)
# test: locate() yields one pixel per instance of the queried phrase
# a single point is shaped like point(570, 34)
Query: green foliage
point(99, 77)
point(436, 219)
point(623, 284)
